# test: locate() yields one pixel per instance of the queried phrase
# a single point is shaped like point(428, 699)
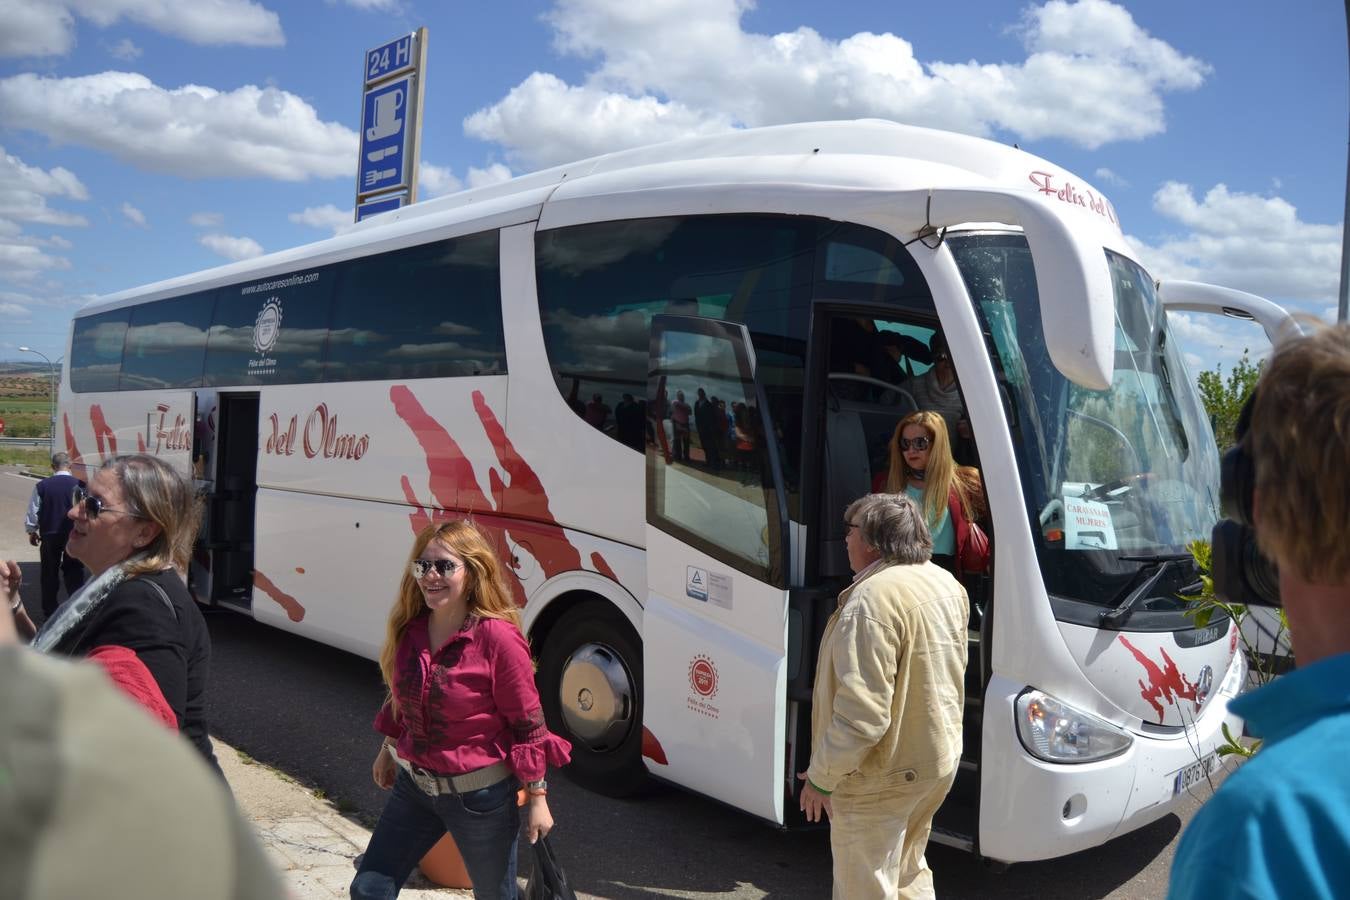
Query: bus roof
point(859, 154)
point(903, 179)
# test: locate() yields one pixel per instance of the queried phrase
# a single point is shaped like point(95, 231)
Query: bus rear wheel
point(590, 684)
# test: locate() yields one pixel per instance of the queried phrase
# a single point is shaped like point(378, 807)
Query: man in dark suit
point(48, 528)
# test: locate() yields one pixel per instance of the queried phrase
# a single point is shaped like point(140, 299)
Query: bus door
point(715, 622)
point(227, 538)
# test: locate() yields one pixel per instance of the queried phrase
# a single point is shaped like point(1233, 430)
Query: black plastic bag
point(548, 881)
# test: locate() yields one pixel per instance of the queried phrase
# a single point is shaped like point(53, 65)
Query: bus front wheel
point(590, 684)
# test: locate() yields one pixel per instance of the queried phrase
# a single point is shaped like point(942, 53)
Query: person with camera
point(1280, 825)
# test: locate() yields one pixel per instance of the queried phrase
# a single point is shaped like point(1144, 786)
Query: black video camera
point(1242, 574)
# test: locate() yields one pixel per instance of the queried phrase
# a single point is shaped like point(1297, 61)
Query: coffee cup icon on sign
point(387, 118)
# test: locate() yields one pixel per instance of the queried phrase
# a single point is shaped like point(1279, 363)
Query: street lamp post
point(51, 369)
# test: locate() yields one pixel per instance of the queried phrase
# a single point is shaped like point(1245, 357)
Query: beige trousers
point(878, 838)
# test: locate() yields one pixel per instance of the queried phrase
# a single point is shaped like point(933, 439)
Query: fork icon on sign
point(377, 175)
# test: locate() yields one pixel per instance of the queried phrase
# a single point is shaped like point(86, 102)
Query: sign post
point(391, 124)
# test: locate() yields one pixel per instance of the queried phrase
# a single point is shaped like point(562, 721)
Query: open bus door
point(716, 616)
point(224, 573)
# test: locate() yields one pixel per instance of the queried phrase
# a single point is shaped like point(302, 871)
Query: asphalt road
point(306, 709)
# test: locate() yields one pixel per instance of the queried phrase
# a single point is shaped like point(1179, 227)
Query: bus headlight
point(1056, 732)
point(1236, 678)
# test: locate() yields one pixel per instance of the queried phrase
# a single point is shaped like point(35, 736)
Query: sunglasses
point(421, 568)
point(93, 504)
point(918, 443)
point(849, 526)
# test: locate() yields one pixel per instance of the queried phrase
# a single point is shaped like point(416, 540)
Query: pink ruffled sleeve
point(534, 748)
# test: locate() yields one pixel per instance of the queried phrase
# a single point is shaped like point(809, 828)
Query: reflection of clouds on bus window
point(577, 250)
point(455, 329)
point(239, 339)
point(602, 342)
point(163, 337)
point(427, 351)
point(354, 337)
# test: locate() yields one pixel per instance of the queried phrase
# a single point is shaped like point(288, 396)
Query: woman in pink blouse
point(463, 726)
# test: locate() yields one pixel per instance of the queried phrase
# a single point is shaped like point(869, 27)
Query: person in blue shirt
point(1279, 827)
point(48, 529)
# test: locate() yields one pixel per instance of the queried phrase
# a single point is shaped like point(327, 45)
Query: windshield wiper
point(1163, 562)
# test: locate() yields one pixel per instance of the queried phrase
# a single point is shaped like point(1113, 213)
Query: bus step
point(940, 835)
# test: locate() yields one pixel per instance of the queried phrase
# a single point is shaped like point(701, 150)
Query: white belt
point(434, 785)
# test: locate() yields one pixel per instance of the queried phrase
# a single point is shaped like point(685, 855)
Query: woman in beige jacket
point(889, 693)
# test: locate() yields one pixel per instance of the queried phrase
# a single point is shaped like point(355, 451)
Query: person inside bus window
point(597, 412)
point(887, 704)
point(630, 418)
point(680, 411)
point(921, 466)
point(463, 724)
point(937, 390)
point(705, 421)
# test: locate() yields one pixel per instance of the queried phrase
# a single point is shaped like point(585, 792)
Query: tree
point(1224, 397)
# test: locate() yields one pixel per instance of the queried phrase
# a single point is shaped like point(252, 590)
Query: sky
point(143, 139)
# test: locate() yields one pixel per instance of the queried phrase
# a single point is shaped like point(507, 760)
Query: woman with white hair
point(888, 702)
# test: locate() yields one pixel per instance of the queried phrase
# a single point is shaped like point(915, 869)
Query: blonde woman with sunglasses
point(463, 725)
point(133, 528)
point(921, 466)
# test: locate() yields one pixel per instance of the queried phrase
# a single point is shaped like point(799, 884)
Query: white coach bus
point(517, 353)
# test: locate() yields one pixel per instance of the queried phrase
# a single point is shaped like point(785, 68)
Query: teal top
point(944, 535)
point(1280, 825)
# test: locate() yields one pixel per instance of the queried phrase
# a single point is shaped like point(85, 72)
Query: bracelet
point(537, 792)
point(18, 601)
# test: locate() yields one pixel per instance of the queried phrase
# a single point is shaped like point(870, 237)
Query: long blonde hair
point(485, 588)
point(940, 478)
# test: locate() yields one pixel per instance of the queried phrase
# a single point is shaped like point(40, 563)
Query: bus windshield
point(1114, 480)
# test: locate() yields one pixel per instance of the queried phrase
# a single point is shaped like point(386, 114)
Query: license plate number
point(1195, 773)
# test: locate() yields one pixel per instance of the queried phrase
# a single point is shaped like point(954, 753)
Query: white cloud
point(382, 5)
point(206, 219)
point(544, 122)
point(1109, 176)
point(134, 215)
point(24, 190)
point(15, 313)
point(231, 247)
point(124, 50)
point(436, 181)
point(493, 174)
point(190, 131)
point(1091, 75)
point(35, 29)
point(326, 216)
point(1244, 241)
point(47, 27)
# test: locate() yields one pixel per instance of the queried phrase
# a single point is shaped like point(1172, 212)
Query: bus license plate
point(1195, 773)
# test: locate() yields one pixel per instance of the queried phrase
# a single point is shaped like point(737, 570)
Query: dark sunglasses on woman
point(421, 568)
point(918, 443)
point(93, 504)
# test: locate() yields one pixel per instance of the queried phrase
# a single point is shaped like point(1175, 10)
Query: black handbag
point(548, 881)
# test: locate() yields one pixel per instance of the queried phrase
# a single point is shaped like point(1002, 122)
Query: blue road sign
point(381, 204)
point(392, 58)
point(384, 137)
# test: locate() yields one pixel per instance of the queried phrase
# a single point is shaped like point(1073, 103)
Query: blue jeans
point(484, 824)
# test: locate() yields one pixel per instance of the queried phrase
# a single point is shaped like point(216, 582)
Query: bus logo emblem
point(703, 676)
point(1204, 685)
point(268, 326)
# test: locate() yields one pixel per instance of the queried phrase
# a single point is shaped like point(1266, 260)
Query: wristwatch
point(536, 787)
